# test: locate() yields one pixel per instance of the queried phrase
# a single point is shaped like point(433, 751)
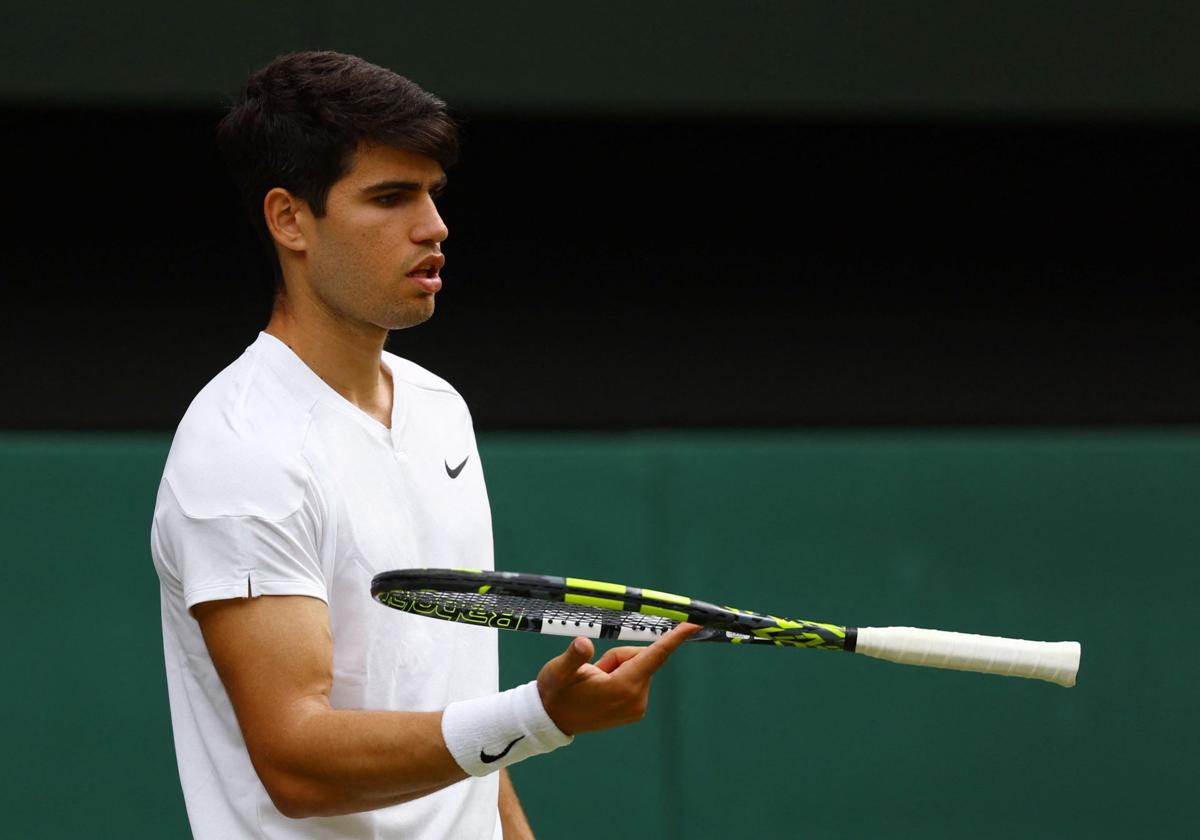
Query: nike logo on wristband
point(453, 472)
point(488, 759)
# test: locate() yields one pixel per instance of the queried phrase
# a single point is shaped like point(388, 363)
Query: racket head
point(579, 606)
point(529, 603)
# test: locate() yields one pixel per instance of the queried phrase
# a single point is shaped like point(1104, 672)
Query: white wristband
point(494, 731)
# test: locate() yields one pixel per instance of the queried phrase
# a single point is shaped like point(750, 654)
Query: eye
point(387, 200)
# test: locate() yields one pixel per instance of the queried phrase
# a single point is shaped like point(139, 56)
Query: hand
point(582, 697)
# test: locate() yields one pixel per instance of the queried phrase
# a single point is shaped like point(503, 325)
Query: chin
point(418, 312)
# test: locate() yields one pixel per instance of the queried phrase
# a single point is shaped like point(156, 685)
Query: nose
point(430, 227)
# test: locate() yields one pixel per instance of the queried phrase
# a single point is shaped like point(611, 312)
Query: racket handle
point(1055, 662)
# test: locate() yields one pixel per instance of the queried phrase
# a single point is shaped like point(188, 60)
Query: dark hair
point(298, 121)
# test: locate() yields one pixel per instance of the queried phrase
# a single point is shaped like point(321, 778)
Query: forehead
point(371, 164)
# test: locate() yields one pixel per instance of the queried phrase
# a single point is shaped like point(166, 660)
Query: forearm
point(336, 761)
point(512, 815)
point(274, 657)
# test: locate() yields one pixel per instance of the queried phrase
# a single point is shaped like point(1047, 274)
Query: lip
point(434, 261)
point(428, 282)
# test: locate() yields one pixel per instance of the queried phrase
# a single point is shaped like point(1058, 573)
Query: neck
point(346, 355)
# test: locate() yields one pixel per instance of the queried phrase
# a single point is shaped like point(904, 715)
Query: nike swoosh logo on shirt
point(454, 471)
point(488, 759)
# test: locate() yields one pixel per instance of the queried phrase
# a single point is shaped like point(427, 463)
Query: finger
point(650, 659)
point(579, 651)
point(612, 658)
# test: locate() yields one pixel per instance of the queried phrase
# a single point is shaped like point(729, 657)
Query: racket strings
point(452, 605)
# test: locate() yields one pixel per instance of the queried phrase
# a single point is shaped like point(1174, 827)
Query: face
point(375, 256)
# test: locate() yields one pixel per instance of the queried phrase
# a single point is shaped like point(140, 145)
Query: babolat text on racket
point(578, 607)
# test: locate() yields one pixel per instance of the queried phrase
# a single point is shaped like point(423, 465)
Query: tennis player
point(301, 709)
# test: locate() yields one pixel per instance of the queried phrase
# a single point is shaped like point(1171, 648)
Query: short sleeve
point(213, 557)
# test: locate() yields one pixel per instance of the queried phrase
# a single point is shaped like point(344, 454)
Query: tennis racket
point(577, 607)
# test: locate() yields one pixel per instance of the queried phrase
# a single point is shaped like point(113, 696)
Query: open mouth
point(425, 275)
point(428, 268)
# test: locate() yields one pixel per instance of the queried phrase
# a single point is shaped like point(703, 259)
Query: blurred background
point(872, 313)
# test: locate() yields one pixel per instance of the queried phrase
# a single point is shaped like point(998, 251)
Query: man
point(300, 708)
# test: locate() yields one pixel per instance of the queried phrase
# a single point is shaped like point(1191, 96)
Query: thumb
point(578, 652)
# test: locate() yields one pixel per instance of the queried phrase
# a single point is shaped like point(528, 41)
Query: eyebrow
point(408, 186)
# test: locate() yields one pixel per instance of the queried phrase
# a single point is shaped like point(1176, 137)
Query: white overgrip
point(1056, 662)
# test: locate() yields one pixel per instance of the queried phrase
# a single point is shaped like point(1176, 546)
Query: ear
point(283, 212)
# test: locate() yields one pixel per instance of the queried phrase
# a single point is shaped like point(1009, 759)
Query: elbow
point(293, 808)
point(298, 798)
point(287, 779)
point(293, 800)
point(299, 810)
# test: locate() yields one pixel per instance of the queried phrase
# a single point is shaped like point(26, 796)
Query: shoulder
point(239, 450)
point(415, 376)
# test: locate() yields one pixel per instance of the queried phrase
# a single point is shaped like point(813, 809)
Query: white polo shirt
point(277, 485)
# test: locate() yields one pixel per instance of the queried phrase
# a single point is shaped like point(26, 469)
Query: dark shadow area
point(616, 273)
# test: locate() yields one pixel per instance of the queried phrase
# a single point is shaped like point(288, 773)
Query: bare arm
point(274, 655)
point(512, 816)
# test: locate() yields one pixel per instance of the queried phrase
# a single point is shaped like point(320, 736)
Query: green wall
point(1102, 57)
point(1043, 535)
